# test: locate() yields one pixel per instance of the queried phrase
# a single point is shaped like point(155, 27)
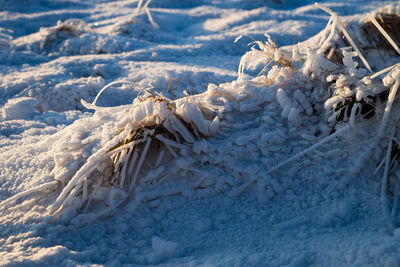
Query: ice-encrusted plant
point(142, 7)
point(355, 95)
point(351, 94)
point(267, 53)
point(151, 137)
point(154, 129)
point(62, 31)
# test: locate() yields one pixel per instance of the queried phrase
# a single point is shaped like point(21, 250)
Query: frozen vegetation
point(199, 133)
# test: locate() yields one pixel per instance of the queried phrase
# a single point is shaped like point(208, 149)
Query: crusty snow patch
point(19, 108)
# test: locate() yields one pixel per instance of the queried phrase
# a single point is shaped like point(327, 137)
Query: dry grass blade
point(346, 34)
point(381, 30)
point(385, 34)
point(145, 7)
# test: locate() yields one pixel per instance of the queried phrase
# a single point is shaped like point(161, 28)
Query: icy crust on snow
point(226, 200)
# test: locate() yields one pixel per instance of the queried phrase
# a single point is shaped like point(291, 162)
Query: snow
point(19, 108)
point(180, 161)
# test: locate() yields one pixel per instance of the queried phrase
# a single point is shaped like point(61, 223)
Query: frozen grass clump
point(154, 131)
point(352, 93)
point(49, 39)
point(342, 79)
point(267, 53)
point(303, 82)
point(142, 144)
point(295, 78)
point(75, 37)
point(304, 94)
point(356, 95)
point(62, 31)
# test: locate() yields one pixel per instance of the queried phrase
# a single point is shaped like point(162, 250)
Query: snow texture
point(181, 160)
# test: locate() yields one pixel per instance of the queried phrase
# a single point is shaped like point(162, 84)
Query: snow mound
point(19, 108)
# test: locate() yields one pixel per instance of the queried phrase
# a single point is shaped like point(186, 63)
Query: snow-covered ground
point(221, 200)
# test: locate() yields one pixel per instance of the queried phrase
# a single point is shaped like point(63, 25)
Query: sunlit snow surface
point(309, 212)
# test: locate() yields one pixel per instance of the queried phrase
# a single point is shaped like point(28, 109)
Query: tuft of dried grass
point(154, 132)
point(63, 30)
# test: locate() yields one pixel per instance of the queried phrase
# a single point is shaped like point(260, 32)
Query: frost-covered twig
point(310, 149)
point(331, 27)
point(373, 76)
point(145, 7)
point(139, 6)
point(389, 103)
